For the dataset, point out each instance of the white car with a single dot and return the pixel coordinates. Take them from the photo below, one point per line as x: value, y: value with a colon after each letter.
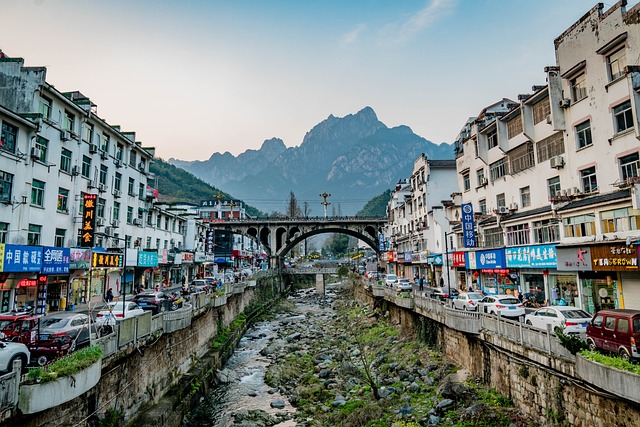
x: 10, y: 351
x: 467, y: 301
x: 403, y: 285
x: 574, y: 320
x: 390, y: 280
x: 115, y: 311
x: 503, y: 305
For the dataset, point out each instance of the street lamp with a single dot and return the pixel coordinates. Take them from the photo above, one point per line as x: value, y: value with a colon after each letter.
x: 446, y: 254
x: 124, y: 267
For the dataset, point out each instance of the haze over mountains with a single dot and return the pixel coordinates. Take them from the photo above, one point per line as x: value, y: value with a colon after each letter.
x: 354, y: 158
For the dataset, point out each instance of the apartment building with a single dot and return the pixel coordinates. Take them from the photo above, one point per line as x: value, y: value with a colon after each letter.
x: 553, y: 177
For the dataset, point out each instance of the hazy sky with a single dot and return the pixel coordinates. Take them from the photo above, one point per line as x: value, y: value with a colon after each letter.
x: 194, y: 77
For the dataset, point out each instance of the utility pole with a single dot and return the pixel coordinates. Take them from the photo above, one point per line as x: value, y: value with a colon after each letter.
x: 325, y: 203
x: 219, y: 197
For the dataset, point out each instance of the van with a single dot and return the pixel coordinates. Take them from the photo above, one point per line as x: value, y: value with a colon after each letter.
x: 615, y: 331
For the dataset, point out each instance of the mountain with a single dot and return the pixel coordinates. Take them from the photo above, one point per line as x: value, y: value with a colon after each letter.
x: 354, y: 158
x: 376, y: 206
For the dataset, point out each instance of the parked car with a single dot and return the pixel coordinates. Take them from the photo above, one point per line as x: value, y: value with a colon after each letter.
x: 390, y: 280
x: 615, y: 331
x: 503, y: 305
x: 442, y: 293
x: 156, y: 301
x: 10, y: 351
x: 404, y: 285
x: 467, y: 301
x: 572, y: 320
x: 200, y: 285
x: 19, y: 327
x: 69, y: 326
x: 114, y: 312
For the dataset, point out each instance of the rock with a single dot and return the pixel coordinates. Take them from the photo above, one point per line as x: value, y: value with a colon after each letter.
x: 475, y: 409
x: 252, y: 393
x: 413, y: 387
x: 293, y: 337
x: 338, y: 401
x: 325, y: 373
x: 428, y: 381
x: 446, y: 390
x: 433, y: 420
x: 444, y: 404
x: 278, y: 404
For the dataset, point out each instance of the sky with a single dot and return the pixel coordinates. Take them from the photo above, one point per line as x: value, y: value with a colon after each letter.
x: 195, y: 77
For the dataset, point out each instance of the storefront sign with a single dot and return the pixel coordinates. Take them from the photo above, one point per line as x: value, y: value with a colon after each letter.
x: 457, y: 259
x: 407, y: 257
x: 106, y: 259
x: 79, y: 258
x: 381, y: 242
x: 163, y: 256
x: 391, y: 257
x: 485, y: 259
x: 415, y: 257
x: 41, y: 301
x: 539, y: 256
x: 87, y: 232
x: 209, y: 241
x: 575, y: 258
x: 434, y: 259
x: 22, y: 258
x: 614, y: 257
x: 55, y: 260
x: 468, y: 226
x: 147, y: 259
x: 187, y: 257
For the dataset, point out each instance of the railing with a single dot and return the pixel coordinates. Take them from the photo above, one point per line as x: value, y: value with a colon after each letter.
x: 9, y: 386
x: 179, y: 319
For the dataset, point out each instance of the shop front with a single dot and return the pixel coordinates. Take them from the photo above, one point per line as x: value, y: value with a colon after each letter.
x: 457, y: 262
x: 106, y: 272
x: 489, y: 270
x: 407, y: 267
x: 55, y: 266
x: 419, y: 262
x: 24, y: 264
x: 535, y: 271
x: 147, y: 263
x: 434, y: 264
x: 79, y: 267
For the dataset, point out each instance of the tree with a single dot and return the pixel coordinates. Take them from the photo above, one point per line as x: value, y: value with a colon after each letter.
x: 337, y: 244
x: 293, y: 209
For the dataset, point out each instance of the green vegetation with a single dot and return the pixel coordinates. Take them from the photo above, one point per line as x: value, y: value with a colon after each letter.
x: 225, y: 333
x: 573, y: 343
x: 611, y: 361
x: 66, y: 366
x: 178, y: 185
x: 376, y: 206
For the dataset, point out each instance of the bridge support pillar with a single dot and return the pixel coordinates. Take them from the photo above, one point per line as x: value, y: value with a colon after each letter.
x: 320, y: 284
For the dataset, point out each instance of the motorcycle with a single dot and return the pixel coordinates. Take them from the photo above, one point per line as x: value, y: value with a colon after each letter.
x: 177, y: 301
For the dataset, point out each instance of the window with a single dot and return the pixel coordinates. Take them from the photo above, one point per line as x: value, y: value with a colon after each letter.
x: 583, y: 134
x: 622, y: 117
x: 34, y: 235
x: 624, y: 219
x: 37, y: 193
x: 482, y: 204
x: 616, y: 63
x: 142, y: 165
x: 541, y: 110
x: 480, y: 177
x: 157, y: 243
x: 149, y: 219
x: 553, y: 184
x: 63, y: 200
x: 492, y: 139
x: 59, y: 238
x: 119, y: 150
x: 132, y: 186
x: 6, y: 186
x: 87, y: 132
x: 141, y: 190
x: 69, y: 121
x: 545, y: 231
x: 525, y: 196
x: 100, y: 207
x: 4, y: 229
x: 579, y: 87
x: 140, y: 214
x: 580, y: 226
x: 521, y: 158
x: 104, y: 143
x: 166, y: 223
x: 129, y: 214
x: 514, y: 127
x: 158, y: 221
x: 8, y: 137
x: 44, y: 107
x: 492, y: 238
x: 550, y: 146
x: 501, y: 200
x: 466, y: 182
x: 497, y: 169
x: 133, y: 159
x: 117, y: 182
x: 103, y: 174
x: 629, y: 166
x: 65, y: 160
x: 518, y: 235
x: 588, y: 178
x: 86, y: 166
x: 116, y: 211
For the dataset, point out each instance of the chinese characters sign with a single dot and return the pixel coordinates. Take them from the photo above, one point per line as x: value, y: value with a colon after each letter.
x: 22, y: 258
x: 147, y: 259
x: 540, y: 256
x: 468, y: 226
x: 485, y: 259
x: 87, y: 232
x: 106, y: 259
x: 209, y: 243
x: 618, y: 257
x: 55, y: 260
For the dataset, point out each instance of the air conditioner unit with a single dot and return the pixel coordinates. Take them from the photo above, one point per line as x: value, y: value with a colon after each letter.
x: 564, y: 193
x: 484, y: 182
x: 141, y: 165
x: 99, y: 222
x: 115, y: 223
x: 93, y: 148
x: 65, y: 135
x: 118, y: 163
x: 102, y: 188
x: 117, y: 193
x: 513, y: 206
x: 137, y: 221
x: 573, y: 191
x: 104, y: 154
x: 502, y: 210
x: 564, y: 103
x: 108, y: 230
x: 36, y: 152
x: 556, y: 162
x: 75, y: 171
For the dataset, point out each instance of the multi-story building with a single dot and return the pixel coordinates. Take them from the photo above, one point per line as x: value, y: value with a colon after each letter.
x: 553, y: 178
x: 54, y: 150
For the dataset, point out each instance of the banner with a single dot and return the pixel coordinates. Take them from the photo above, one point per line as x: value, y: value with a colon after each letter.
x: 468, y: 226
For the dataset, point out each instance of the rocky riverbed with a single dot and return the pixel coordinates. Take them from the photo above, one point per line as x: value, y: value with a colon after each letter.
x: 332, y: 362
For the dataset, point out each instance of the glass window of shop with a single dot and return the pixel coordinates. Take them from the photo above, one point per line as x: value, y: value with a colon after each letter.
x: 565, y: 290
x: 599, y: 292
x: 533, y: 286
x: 26, y: 297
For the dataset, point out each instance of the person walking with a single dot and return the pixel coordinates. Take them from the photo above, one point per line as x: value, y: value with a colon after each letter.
x: 109, y: 296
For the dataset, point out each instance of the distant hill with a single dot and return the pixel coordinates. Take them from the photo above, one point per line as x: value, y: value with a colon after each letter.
x: 354, y: 158
x: 177, y: 185
x: 376, y: 206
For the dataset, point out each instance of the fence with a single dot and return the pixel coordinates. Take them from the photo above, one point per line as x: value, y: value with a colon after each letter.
x: 9, y: 387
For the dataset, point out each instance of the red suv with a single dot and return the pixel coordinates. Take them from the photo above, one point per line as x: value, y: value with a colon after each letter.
x: 615, y: 331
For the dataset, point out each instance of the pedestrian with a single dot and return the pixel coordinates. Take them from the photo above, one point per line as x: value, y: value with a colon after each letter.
x: 109, y: 296
x: 421, y: 283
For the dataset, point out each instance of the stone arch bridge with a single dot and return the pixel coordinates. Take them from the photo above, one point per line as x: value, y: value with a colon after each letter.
x: 280, y: 235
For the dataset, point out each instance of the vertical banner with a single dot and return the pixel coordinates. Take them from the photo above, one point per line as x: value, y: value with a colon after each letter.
x: 209, y: 242
x: 381, y: 245
x: 87, y: 232
x: 468, y: 226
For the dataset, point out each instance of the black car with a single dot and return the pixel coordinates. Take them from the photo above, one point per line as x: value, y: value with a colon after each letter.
x: 441, y: 292
x: 156, y: 301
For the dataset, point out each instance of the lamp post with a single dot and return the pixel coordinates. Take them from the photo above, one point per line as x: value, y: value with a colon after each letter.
x: 446, y: 254
x: 124, y: 267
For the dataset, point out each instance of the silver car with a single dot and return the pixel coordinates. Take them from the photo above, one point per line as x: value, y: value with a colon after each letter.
x: 10, y: 351
x: 467, y: 301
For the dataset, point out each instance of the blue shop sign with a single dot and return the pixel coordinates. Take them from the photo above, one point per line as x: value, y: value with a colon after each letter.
x: 147, y: 259
x: 485, y: 259
x: 434, y: 259
x: 407, y: 257
x: 538, y: 256
x: 55, y: 260
x: 19, y: 258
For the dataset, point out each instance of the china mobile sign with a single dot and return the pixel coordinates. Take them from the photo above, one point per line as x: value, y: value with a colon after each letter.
x: 468, y: 226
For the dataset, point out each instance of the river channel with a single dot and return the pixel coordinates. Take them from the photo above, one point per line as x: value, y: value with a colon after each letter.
x: 241, y: 386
